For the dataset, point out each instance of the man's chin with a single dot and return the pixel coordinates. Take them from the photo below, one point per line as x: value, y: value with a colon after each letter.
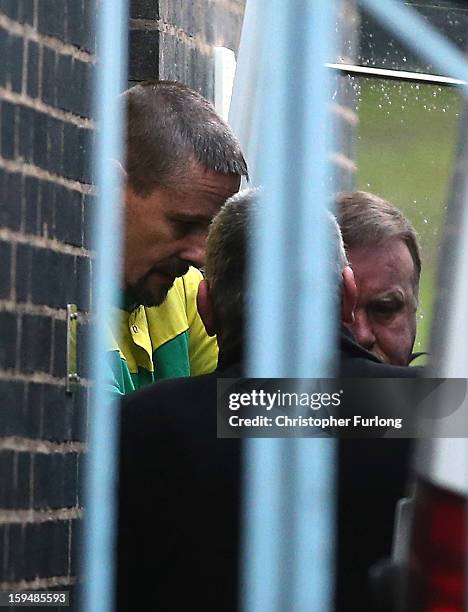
x: 145, y: 296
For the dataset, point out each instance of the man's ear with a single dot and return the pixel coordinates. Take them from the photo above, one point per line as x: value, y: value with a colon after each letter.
x: 205, y: 307
x: 349, y: 296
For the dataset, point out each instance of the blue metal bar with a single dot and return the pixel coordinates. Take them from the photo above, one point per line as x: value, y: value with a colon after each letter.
x: 289, y: 490
x: 101, y: 469
x: 423, y: 38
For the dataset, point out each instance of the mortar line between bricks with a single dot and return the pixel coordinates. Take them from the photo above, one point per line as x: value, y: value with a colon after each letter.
x: 43, y: 447
x: 52, y: 244
x: 56, y: 44
x: 36, y: 104
x: 159, y: 25
x: 345, y: 113
x: 39, y: 377
x: 58, y: 314
x: 38, y: 583
x: 30, y: 170
x: 343, y: 162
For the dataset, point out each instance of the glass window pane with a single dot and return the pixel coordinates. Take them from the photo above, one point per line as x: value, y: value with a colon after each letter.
x: 380, y: 49
x: 406, y: 144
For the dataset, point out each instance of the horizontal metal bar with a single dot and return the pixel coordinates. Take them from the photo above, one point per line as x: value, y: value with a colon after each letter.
x: 397, y: 75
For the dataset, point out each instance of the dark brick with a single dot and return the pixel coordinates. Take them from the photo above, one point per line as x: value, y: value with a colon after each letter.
x: 65, y: 83
x: 85, y: 156
x: 82, y: 464
x: 11, y: 403
x: 16, y: 557
x: 54, y: 275
x: 10, y: 208
x: 60, y: 548
x: 69, y: 220
x: 83, y: 84
x: 46, y: 549
x: 54, y: 145
x: 40, y: 154
x: 26, y: 11
x: 12, y: 418
x: 55, y: 480
x: 23, y: 471
x: 89, y: 19
x: 59, y: 415
x: 9, y: 338
x: 144, y: 9
x: 49, y: 79
x: 70, y: 151
x: 75, y: 30
x: 6, y: 469
x: 80, y: 415
x: 35, y: 394
x: 76, y: 544
x: 89, y: 207
x: 84, y: 330
x: 10, y: 204
x: 60, y: 344
x: 33, y: 69
x: 5, y: 269
x: 35, y: 551
x: 15, y: 62
x: 40, y: 272
x: 4, y: 52
x: 81, y: 24
x: 32, y: 190
x: 10, y: 8
x: 24, y: 254
x: 8, y: 130
x: 14, y: 493
x: 83, y: 279
x: 144, y: 54
x: 36, y: 343
x: 69, y: 280
x: 26, y: 127
x: 52, y: 18
x: 47, y: 209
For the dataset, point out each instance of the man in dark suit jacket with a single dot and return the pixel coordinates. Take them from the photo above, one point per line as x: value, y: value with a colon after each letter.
x: 179, y: 485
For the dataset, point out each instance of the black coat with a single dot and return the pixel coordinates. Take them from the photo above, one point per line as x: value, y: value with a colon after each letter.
x: 180, y: 490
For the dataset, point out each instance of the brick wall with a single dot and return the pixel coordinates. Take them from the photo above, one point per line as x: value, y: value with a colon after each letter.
x: 46, y: 135
x: 174, y: 39
x: 46, y: 198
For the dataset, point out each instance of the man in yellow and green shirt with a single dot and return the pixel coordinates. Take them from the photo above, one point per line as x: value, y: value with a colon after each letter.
x: 182, y: 163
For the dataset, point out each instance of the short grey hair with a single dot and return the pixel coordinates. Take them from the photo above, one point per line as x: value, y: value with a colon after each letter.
x: 170, y: 126
x: 338, y: 243
x: 226, y: 260
x: 366, y: 219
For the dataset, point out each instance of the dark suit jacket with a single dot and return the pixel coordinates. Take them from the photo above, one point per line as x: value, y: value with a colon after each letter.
x: 372, y: 475
x: 180, y: 491
x: 179, y: 495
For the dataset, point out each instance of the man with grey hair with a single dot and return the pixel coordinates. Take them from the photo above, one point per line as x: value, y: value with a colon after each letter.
x: 168, y: 439
x: 383, y: 250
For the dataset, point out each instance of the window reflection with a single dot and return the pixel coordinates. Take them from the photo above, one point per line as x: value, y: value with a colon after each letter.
x: 406, y: 143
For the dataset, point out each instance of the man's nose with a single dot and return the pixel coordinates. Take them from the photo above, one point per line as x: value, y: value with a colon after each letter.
x: 193, y: 250
x: 363, y: 331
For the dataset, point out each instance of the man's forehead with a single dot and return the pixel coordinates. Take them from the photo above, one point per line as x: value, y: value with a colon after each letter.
x: 201, y: 193
x: 383, y: 267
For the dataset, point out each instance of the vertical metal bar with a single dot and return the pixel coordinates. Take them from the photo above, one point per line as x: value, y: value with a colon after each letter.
x: 288, y: 494
x: 417, y: 34
x: 101, y: 476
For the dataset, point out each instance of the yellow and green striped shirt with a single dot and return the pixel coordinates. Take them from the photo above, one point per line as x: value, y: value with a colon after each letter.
x: 166, y: 341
